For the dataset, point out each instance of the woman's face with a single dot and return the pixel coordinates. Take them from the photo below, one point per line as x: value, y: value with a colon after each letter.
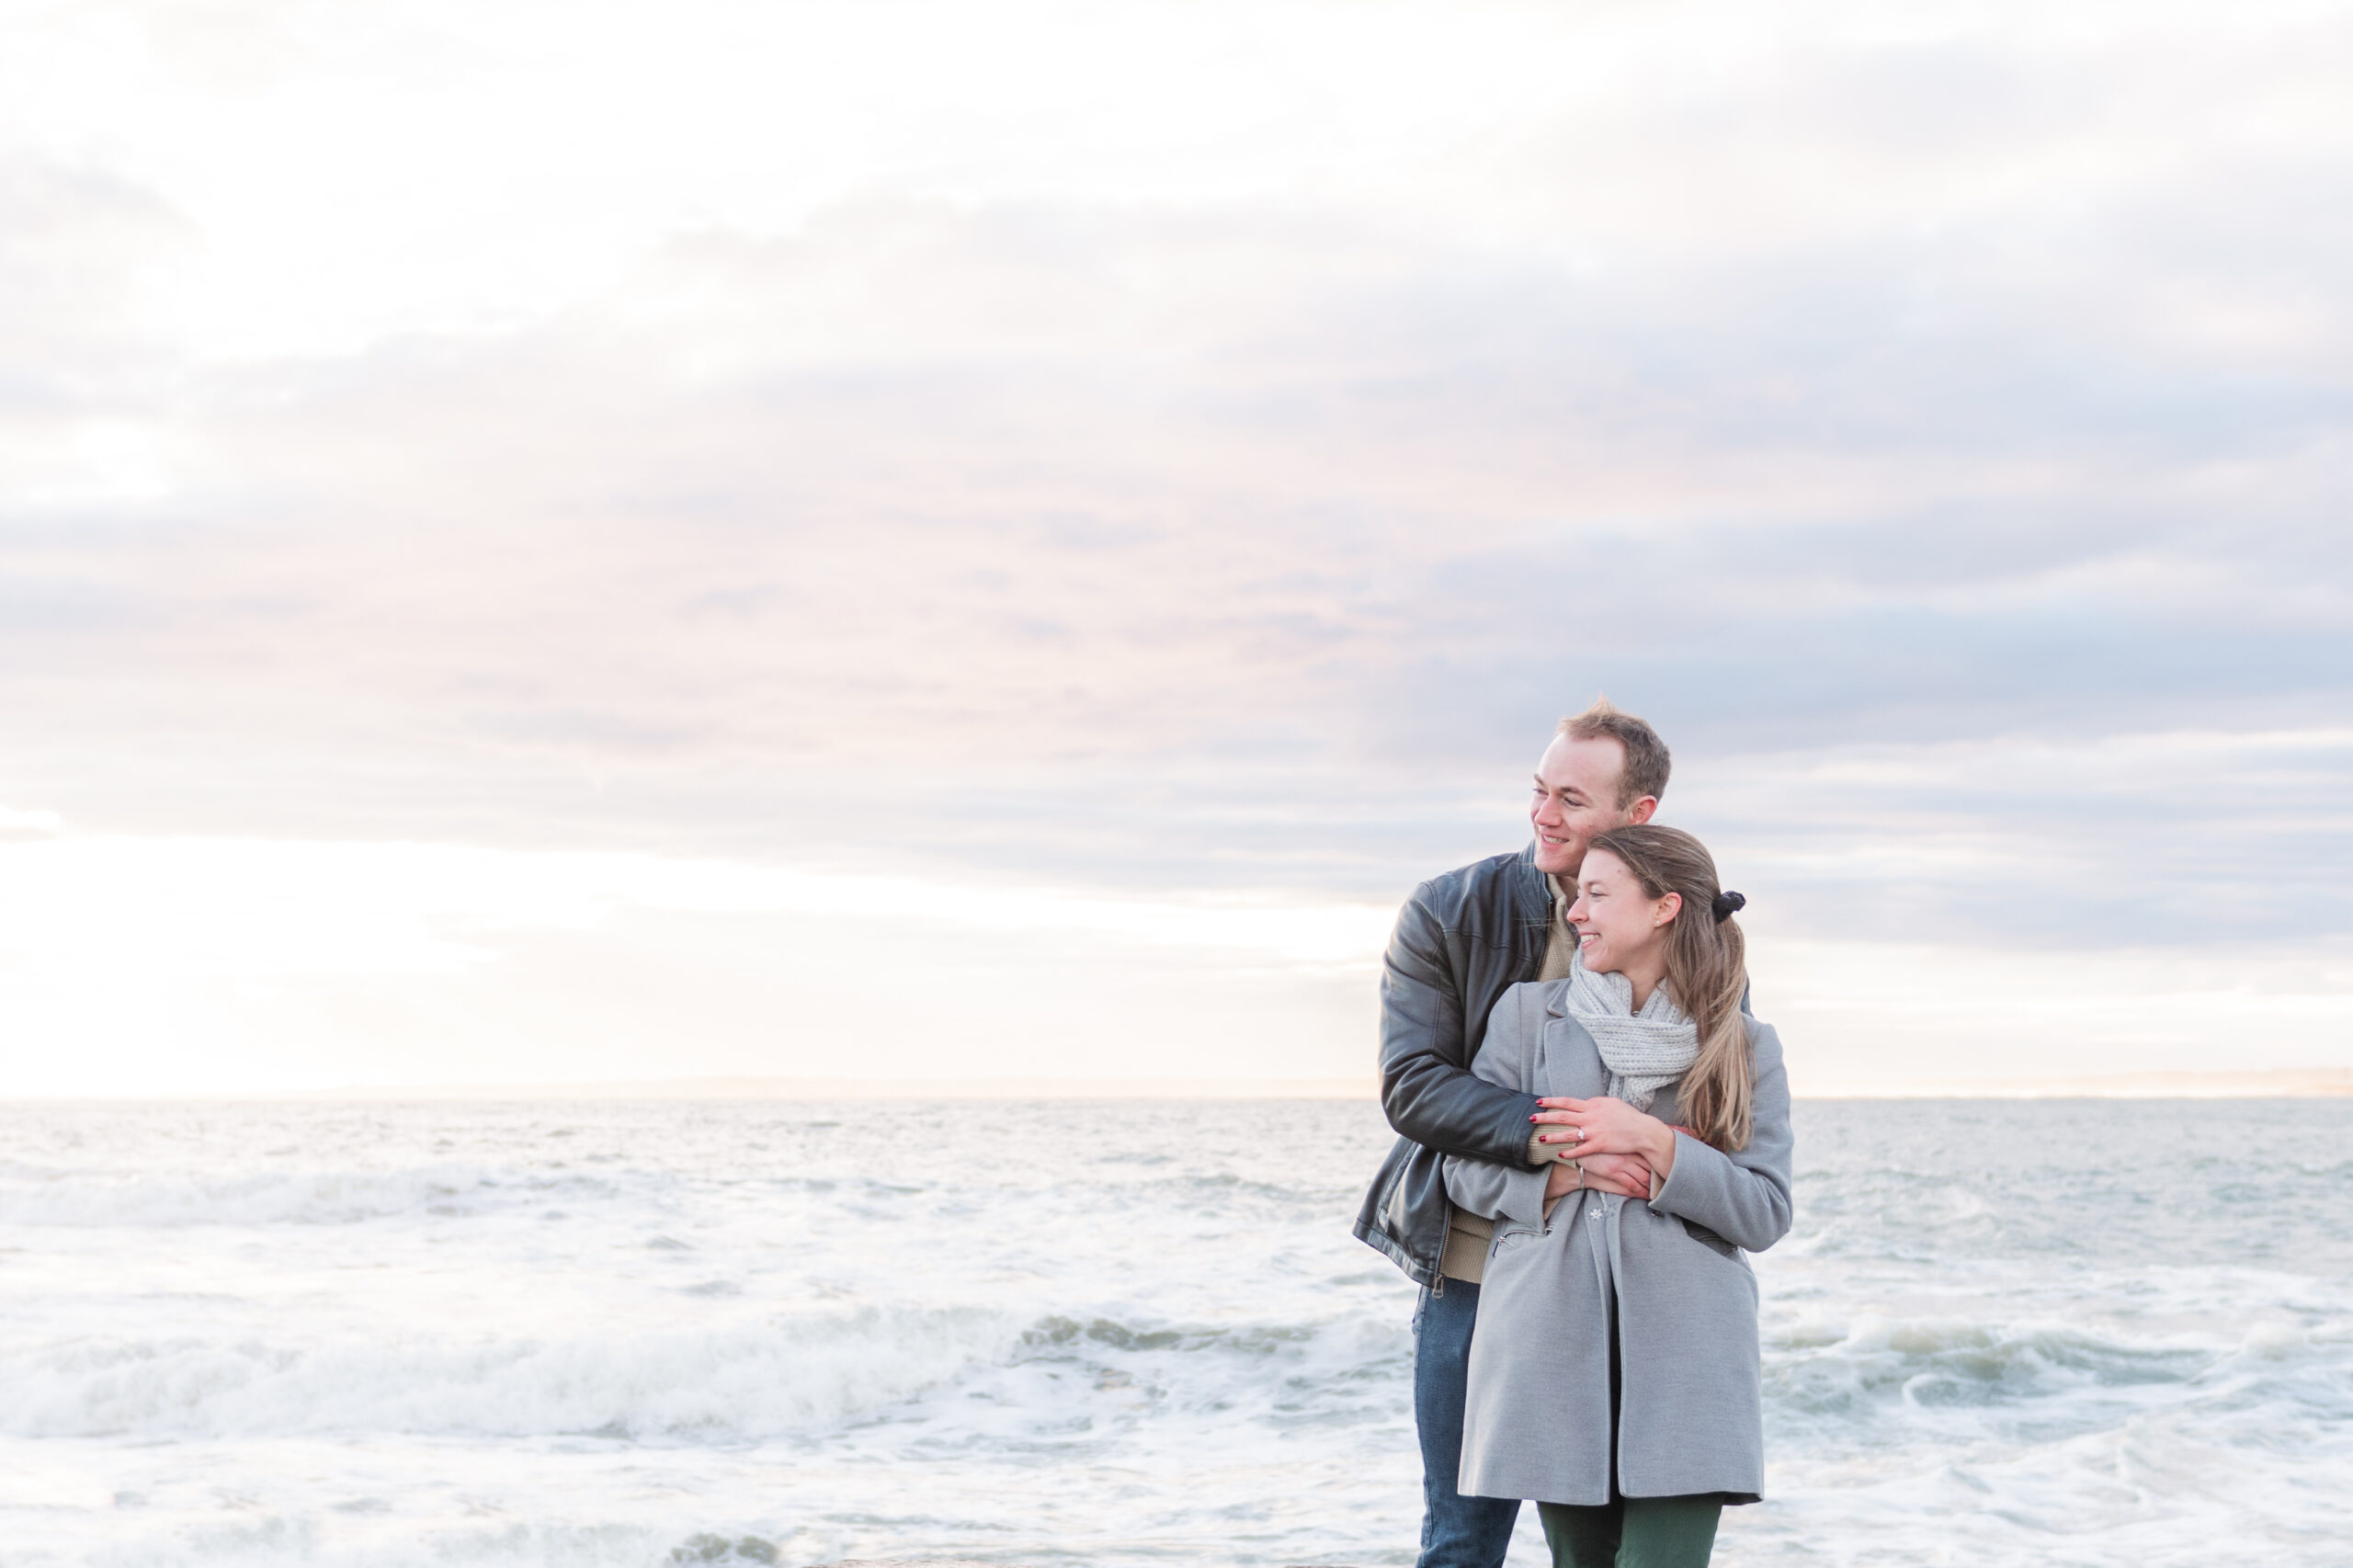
x: 1620, y: 927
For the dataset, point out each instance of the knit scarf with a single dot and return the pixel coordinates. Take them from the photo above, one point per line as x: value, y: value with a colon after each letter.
x: 1643, y: 1051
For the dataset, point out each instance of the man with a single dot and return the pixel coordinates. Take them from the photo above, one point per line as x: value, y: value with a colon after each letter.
x: 1461, y: 942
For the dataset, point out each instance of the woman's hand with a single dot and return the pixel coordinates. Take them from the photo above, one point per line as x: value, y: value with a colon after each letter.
x: 1602, y: 1126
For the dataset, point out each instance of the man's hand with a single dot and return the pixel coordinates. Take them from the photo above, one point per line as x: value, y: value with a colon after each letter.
x: 1628, y: 1176
x: 1589, y: 1129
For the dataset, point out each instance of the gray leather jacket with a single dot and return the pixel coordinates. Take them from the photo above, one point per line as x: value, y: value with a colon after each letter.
x: 1461, y: 942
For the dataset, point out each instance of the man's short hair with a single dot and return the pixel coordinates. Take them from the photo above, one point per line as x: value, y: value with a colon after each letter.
x: 1647, y: 762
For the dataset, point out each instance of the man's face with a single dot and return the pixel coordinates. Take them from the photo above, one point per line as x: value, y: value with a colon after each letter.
x: 1577, y: 797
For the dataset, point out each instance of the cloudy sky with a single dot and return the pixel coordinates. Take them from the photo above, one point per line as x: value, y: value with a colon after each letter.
x: 910, y: 539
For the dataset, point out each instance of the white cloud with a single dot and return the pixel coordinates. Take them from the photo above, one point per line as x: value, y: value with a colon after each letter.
x: 224, y: 966
x: 144, y: 966
x: 284, y: 909
x: 1873, y: 1018
x: 17, y: 824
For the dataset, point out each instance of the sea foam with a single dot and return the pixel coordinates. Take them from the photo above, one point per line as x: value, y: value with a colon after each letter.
x: 1077, y: 1335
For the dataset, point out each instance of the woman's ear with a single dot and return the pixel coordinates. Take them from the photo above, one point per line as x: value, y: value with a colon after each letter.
x: 1668, y: 908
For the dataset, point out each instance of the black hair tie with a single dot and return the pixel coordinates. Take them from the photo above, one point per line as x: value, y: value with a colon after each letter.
x: 1729, y: 903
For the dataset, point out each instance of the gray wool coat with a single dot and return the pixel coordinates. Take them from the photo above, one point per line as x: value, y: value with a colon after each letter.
x: 1537, y: 1422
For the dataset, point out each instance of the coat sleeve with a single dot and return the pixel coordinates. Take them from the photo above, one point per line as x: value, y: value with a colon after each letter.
x: 1483, y: 1186
x: 1743, y: 1197
x: 1426, y: 1088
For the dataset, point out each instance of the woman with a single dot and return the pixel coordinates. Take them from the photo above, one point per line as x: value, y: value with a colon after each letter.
x: 1614, y: 1372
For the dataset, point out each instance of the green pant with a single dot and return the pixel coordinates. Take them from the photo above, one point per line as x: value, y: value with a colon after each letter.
x: 1633, y: 1532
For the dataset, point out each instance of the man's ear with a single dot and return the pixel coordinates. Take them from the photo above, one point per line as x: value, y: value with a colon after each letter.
x: 1641, y: 811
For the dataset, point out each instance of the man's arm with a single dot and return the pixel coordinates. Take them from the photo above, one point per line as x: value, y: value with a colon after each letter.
x: 1485, y: 1187
x: 1426, y: 1088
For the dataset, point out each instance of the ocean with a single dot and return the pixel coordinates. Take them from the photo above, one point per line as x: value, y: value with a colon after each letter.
x: 1102, y: 1332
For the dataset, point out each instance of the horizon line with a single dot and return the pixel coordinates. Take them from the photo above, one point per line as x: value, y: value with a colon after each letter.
x: 2295, y: 1083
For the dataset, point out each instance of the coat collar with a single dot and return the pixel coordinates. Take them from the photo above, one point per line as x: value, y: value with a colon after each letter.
x: 1556, y: 998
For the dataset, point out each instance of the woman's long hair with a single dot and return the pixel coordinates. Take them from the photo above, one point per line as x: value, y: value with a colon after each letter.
x: 1707, y: 974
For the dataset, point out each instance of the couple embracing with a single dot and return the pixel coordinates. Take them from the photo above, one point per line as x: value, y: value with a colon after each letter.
x: 1595, y: 1132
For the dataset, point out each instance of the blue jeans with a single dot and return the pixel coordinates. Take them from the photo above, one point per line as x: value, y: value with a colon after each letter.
x: 1457, y: 1531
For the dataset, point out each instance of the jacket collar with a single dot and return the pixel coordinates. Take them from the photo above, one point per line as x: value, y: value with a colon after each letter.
x: 1532, y: 887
